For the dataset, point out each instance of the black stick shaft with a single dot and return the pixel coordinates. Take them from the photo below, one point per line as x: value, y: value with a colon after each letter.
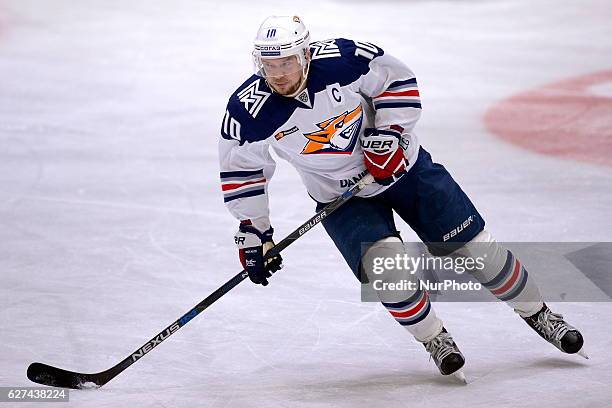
x: 49, y: 375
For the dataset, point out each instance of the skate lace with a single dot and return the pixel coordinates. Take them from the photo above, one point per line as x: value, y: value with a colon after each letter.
x: 440, y: 347
x: 552, y: 325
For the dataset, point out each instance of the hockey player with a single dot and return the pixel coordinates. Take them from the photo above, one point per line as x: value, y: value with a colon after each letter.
x: 337, y: 109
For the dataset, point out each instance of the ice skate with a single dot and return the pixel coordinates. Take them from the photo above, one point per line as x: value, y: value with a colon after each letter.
x: 446, y: 355
x: 556, y: 331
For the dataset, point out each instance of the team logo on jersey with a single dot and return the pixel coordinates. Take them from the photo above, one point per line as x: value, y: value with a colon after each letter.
x: 324, y: 49
x: 253, y: 98
x: 338, y: 135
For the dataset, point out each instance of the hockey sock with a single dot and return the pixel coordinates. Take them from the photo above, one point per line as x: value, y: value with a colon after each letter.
x: 503, y: 274
x: 410, y: 306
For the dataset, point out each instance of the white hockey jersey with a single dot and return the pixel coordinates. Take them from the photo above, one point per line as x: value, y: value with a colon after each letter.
x: 351, y: 86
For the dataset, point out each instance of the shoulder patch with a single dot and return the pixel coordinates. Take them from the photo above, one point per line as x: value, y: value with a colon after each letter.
x: 324, y: 49
x: 254, y: 112
x: 253, y: 97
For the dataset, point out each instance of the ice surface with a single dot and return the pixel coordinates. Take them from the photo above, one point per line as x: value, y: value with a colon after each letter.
x: 112, y: 223
x: 89, y: 386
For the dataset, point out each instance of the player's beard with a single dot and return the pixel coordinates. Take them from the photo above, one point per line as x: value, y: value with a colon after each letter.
x: 294, y: 88
x: 287, y: 88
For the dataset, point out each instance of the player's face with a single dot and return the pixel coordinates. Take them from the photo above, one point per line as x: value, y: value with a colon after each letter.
x: 283, y: 74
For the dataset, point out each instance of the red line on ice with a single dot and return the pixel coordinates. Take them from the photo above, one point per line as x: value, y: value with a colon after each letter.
x: 563, y: 119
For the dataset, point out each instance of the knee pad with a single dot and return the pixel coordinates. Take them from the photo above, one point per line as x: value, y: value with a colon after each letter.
x: 383, y: 265
x: 373, y: 260
x: 485, y: 247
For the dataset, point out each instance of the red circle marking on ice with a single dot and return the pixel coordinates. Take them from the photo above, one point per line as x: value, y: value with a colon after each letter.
x: 565, y: 119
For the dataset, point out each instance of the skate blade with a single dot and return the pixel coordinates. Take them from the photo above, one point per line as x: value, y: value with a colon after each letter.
x: 583, y: 353
x: 460, y: 376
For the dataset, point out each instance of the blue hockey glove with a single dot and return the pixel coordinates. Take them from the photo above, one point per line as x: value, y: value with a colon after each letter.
x: 252, y: 246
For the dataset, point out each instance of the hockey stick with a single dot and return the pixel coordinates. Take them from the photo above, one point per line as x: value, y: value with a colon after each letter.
x: 57, y: 377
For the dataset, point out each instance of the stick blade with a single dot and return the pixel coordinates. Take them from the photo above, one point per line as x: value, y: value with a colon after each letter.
x: 56, y: 377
